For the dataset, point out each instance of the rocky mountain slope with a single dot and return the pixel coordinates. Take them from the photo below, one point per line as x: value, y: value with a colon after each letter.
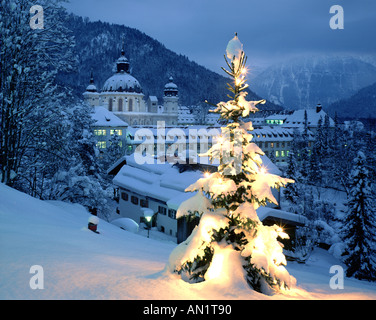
x: 305, y: 81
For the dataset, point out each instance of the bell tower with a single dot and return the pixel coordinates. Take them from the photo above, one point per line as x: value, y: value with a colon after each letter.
x: 91, y: 95
x: 171, y: 97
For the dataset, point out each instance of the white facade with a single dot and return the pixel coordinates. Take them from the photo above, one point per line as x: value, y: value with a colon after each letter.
x: 186, y: 117
x: 106, y: 124
x: 152, y: 186
x: 122, y: 94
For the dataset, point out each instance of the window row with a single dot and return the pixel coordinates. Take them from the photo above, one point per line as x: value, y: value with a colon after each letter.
x: 103, y: 132
x: 171, y: 212
x: 144, y: 203
x: 103, y: 144
x: 120, y: 105
x: 278, y: 153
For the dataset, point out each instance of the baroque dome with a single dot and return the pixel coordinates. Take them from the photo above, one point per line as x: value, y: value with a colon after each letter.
x: 122, y: 82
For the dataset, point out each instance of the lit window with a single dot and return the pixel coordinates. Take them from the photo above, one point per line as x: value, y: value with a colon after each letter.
x: 119, y: 132
x: 277, y: 154
x: 100, y: 132
x: 271, y: 144
x: 101, y: 144
x: 282, y: 153
x: 120, y: 143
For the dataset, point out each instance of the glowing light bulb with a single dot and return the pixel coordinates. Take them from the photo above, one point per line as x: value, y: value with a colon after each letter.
x: 207, y: 174
x: 263, y: 170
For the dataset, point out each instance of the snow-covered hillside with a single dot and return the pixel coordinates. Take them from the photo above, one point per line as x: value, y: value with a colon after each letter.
x: 116, y: 264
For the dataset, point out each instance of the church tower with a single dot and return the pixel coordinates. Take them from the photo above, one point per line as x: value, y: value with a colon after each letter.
x: 171, y: 98
x: 91, y: 95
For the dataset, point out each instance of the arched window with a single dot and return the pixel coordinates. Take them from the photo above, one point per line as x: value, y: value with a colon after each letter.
x: 110, y: 104
x: 120, y: 105
x: 130, y: 105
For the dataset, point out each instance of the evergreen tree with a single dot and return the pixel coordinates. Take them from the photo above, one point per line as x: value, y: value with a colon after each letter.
x: 230, y: 236
x: 78, y: 178
x: 315, y: 174
x: 113, y: 152
x: 29, y: 100
x: 319, y: 142
x: 292, y: 191
x: 336, y: 143
x: 359, y: 228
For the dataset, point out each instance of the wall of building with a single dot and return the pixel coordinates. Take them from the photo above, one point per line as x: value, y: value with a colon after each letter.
x: 130, y: 208
x: 103, y: 135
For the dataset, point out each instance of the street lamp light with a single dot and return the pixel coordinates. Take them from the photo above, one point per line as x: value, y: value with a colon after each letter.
x: 148, y: 214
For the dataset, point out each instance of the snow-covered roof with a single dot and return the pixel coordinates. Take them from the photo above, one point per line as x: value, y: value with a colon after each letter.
x: 153, y: 98
x: 105, y: 118
x: 91, y: 88
x: 122, y: 82
x: 171, y: 84
x: 267, y: 212
x: 297, y: 118
x: 158, y: 181
x: 275, y: 134
x: 164, y: 181
x: 276, y: 117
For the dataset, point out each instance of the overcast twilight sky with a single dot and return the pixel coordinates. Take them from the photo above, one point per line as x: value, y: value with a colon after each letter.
x: 269, y: 29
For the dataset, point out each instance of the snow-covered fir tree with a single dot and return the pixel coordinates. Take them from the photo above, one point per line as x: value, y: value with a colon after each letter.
x: 359, y: 226
x: 113, y: 152
x: 29, y: 97
x: 47, y: 147
x: 292, y: 191
x: 230, y: 240
x: 79, y: 179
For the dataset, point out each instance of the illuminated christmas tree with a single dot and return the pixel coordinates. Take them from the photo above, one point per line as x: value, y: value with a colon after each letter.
x: 230, y: 240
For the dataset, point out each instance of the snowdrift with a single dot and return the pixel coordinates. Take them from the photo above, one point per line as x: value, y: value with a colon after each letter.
x: 116, y: 264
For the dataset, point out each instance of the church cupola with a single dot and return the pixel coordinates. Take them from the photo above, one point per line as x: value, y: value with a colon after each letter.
x: 122, y: 81
x: 122, y: 63
x: 91, y: 87
x: 91, y: 94
x: 171, y: 99
x: 171, y: 89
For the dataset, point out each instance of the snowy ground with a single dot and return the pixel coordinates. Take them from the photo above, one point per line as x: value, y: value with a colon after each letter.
x: 116, y: 264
